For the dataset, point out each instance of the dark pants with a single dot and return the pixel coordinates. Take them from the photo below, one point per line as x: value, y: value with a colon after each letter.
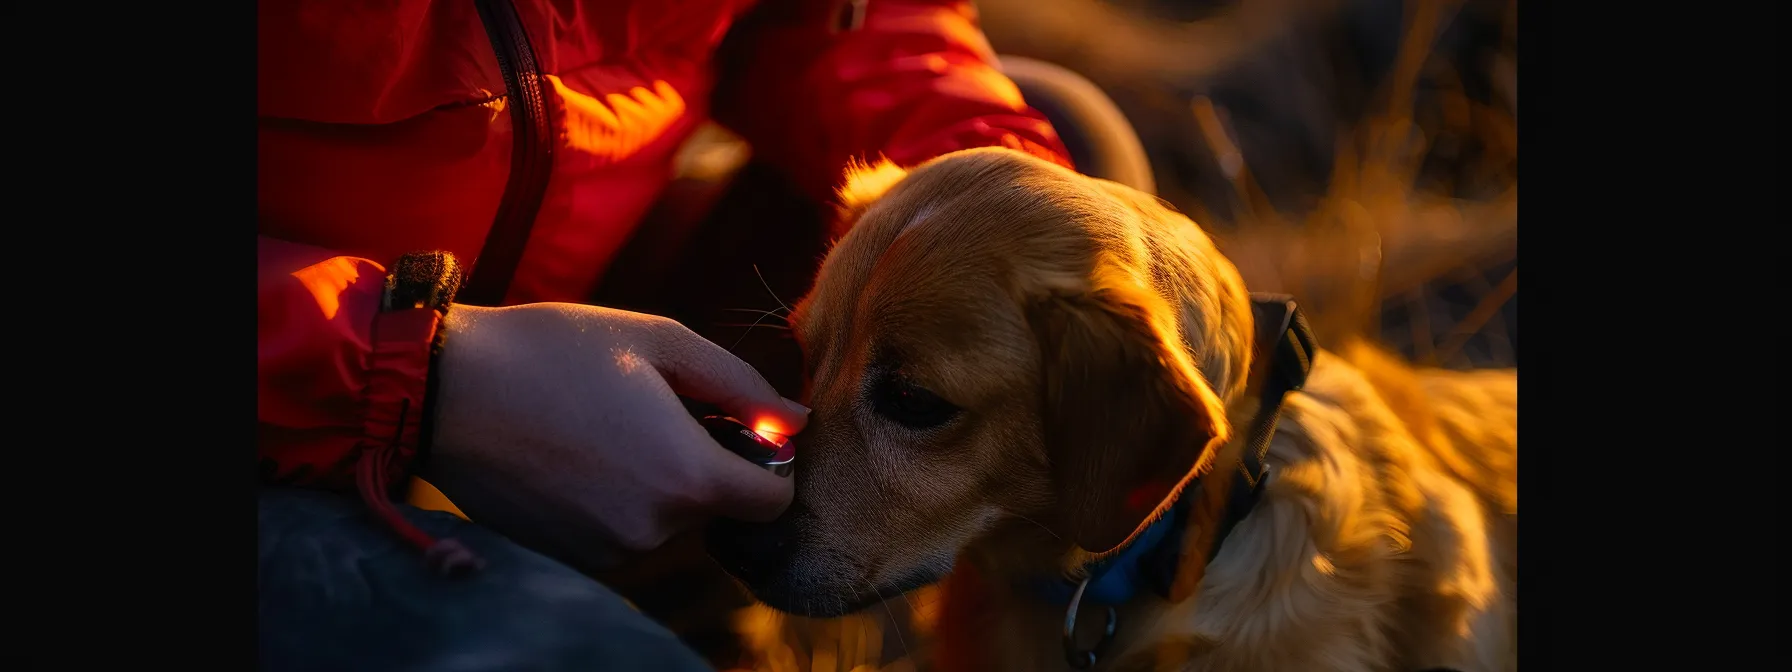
x: 337, y: 592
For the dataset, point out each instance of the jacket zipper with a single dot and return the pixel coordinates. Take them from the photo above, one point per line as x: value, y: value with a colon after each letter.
x: 531, y: 156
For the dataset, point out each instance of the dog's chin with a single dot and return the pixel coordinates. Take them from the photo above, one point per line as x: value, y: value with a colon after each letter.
x: 836, y: 602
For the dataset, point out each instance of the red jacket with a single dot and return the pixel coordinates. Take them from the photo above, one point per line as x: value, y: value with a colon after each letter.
x: 392, y: 127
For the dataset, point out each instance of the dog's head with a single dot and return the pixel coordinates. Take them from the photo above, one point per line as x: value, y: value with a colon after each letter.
x: 998, y: 349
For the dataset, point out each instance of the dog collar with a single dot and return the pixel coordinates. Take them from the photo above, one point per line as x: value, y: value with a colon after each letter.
x: 1286, y: 346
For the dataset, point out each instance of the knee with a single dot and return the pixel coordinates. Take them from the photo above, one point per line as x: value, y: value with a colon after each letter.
x: 339, y: 592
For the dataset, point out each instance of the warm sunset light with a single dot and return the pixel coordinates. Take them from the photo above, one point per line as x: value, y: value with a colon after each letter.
x: 1120, y: 334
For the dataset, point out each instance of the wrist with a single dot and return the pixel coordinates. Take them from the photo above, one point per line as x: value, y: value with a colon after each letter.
x: 452, y: 371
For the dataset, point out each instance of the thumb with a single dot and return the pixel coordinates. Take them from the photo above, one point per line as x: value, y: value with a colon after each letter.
x: 736, y: 488
x: 695, y: 367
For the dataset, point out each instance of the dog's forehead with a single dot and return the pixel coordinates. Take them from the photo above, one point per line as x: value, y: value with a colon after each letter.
x: 945, y: 316
x: 946, y: 320
x: 933, y: 265
x: 847, y: 274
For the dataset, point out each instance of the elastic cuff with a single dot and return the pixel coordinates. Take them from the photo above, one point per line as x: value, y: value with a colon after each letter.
x: 397, y: 380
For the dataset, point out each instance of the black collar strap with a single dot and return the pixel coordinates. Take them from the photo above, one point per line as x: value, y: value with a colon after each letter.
x: 1284, y: 369
x: 1285, y: 347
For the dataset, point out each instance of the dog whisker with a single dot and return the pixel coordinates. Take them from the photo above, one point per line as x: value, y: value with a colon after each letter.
x: 913, y: 613
x: 1042, y: 527
x: 763, y: 314
x: 774, y: 312
x: 779, y: 327
x: 743, y: 335
x: 768, y: 288
x: 895, y: 624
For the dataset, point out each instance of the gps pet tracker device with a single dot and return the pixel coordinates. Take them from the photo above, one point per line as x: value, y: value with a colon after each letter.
x: 777, y: 454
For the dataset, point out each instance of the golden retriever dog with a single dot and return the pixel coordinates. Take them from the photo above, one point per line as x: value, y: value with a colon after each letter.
x: 1015, y: 369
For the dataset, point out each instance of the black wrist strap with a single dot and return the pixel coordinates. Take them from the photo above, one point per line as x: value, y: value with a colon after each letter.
x: 424, y: 280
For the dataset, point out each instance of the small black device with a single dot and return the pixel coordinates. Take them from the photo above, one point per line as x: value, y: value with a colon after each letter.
x: 776, y: 453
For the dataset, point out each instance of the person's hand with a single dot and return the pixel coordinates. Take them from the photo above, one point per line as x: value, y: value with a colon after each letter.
x: 558, y: 425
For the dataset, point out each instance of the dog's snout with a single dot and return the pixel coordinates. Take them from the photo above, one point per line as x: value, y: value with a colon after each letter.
x: 757, y: 553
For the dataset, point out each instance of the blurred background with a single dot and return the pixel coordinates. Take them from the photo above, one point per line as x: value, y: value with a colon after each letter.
x: 1362, y: 154
x: 1359, y: 154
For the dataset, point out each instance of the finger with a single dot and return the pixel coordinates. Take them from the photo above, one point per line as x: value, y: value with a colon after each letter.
x: 733, y: 486
x: 746, y: 491
x: 698, y: 368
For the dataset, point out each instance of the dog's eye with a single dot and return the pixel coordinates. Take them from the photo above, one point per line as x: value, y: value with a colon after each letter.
x: 911, y: 405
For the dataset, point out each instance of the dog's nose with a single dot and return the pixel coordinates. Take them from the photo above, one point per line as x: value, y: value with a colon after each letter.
x: 756, y: 553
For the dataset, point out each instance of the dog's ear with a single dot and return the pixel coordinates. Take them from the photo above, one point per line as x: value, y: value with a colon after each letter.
x: 1128, y: 419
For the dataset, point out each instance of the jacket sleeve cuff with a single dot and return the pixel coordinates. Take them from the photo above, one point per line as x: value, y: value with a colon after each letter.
x: 397, y: 379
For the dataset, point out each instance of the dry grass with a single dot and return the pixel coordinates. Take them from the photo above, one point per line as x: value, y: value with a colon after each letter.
x: 892, y: 638
x: 1378, y: 233
x: 1384, y: 228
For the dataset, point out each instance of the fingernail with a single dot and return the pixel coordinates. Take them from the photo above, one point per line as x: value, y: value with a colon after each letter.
x: 796, y: 407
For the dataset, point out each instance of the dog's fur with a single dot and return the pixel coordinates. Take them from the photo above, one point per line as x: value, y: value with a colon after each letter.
x: 1097, y: 347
